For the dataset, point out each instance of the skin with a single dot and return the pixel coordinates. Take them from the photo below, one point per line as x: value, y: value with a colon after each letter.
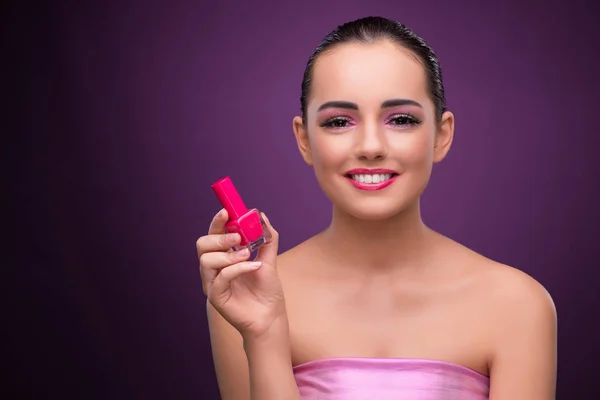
x: 377, y: 282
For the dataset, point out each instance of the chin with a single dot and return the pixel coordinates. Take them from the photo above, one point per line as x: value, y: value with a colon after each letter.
x: 371, y: 211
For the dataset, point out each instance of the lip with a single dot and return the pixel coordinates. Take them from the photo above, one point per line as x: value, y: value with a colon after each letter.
x: 358, y: 171
x: 371, y: 186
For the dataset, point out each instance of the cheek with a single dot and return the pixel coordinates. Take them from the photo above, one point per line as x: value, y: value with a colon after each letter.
x: 329, y: 151
x: 415, y: 150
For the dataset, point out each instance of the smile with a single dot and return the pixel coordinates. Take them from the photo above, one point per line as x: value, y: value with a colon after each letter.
x: 375, y: 178
x: 371, y: 179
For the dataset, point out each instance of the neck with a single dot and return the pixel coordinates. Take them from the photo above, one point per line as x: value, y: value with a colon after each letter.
x: 393, y: 243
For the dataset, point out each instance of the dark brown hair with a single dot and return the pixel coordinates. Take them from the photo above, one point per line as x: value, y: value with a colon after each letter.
x: 369, y: 30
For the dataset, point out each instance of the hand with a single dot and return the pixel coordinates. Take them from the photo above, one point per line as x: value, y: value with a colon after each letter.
x: 248, y: 294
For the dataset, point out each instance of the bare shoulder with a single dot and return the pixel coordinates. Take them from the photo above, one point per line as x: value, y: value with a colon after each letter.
x: 516, y: 294
x: 505, y: 287
x: 291, y: 261
x: 298, y: 268
x: 290, y: 257
x: 521, y: 321
x: 518, y: 309
x: 508, y: 297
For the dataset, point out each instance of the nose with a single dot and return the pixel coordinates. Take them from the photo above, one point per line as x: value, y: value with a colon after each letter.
x: 371, y: 143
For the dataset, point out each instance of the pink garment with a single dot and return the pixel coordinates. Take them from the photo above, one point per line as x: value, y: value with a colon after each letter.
x: 389, y: 379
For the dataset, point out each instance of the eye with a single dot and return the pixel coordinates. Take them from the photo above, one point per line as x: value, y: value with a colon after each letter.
x: 335, y: 123
x: 404, y: 120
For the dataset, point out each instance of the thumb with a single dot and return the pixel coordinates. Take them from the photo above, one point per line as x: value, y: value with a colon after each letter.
x: 268, y: 251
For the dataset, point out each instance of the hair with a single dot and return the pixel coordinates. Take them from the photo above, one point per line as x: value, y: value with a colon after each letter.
x: 370, y: 30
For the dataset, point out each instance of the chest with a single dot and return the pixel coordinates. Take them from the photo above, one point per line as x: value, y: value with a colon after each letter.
x: 388, y: 321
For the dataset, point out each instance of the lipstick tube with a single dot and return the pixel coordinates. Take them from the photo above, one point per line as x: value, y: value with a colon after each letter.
x: 248, y: 223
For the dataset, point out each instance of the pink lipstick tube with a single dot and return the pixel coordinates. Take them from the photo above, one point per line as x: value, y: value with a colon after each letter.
x: 248, y: 223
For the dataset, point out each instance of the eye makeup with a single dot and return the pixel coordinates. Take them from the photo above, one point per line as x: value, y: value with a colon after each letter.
x: 401, y: 120
x: 336, y: 122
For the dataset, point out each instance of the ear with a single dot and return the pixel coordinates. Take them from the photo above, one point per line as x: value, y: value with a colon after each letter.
x: 301, y: 134
x: 443, y: 137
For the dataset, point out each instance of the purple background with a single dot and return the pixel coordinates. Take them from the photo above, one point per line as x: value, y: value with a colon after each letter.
x: 128, y: 111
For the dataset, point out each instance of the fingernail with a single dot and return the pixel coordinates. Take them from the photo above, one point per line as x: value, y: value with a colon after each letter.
x: 254, y: 264
x: 232, y: 238
x: 243, y: 253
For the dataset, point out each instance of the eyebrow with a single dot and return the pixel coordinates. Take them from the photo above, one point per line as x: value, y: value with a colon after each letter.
x: 353, y: 106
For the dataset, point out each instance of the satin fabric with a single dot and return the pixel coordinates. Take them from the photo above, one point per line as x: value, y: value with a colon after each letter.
x: 389, y: 379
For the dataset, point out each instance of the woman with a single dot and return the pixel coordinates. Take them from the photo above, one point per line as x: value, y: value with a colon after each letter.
x: 377, y: 304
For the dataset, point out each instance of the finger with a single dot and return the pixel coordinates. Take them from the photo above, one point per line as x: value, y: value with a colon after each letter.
x: 218, y: 222
x: 223, y: 279
x: 212, y: 263
x: 217, y: 242
x: 268, y: 251
x: 219, y: 260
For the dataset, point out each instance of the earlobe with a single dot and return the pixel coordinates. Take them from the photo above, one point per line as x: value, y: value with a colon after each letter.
x: 301, y: 134
x: 443, y: 137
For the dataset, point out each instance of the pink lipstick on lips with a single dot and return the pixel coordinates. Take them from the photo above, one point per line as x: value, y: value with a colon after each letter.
x: 371, y: 179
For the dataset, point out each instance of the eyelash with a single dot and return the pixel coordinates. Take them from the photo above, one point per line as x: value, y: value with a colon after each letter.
x: 410, y: 120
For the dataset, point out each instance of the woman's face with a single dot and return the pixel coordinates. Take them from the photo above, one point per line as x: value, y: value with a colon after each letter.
x: 370, y: 133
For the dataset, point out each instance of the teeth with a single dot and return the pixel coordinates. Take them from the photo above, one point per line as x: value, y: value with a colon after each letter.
x: 374, y: 178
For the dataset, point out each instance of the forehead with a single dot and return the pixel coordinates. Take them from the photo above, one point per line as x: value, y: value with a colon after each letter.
x: 365, y: 72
